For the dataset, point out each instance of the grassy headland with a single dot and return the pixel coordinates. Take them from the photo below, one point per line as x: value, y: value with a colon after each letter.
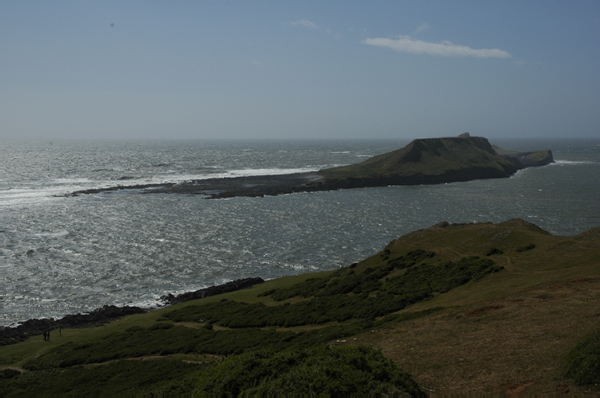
x: 477, y: 308
x: 438, y: 160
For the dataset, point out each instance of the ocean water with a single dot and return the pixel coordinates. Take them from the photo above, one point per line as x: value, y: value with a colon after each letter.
x: 63, y: 255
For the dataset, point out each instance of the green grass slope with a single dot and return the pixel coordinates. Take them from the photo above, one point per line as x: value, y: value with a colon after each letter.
x: 456, y: 156
x: 476, y: 308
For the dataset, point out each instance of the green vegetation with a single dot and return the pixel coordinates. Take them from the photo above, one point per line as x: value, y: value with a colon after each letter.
x: 304, y: 333
x: 141, y: 342
x: 322, y: 370
x: 432, y: 157
x: 583, y: 365
x: 347, y: 294
x: 493, y: 251
x: 525, y: 248
x: 121, y: 377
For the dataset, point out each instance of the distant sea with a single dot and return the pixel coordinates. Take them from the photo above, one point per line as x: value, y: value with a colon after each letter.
x: 64, y: 255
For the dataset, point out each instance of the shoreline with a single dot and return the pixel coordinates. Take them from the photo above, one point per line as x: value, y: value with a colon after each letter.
x: 100, y: 316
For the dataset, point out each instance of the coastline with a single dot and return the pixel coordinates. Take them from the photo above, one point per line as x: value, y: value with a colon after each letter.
x: 108, y: 313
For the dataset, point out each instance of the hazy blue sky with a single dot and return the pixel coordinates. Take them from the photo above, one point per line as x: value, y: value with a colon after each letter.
x: 301, y: 69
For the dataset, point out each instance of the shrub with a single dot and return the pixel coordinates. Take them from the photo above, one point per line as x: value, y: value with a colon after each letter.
x: 122, y: 378
x: 371, y: 297
x: 323, y: 370
x: 493, y: 251
x: 161, y: 325
x: 583, y: 365
x: 9, y: 373
x: 525, y: 248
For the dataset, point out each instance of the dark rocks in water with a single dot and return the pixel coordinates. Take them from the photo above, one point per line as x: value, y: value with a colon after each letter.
x: 232, y: 286
x: 99, y: 316
x: 32, y: 327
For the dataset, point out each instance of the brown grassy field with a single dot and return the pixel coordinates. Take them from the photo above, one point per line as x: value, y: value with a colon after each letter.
x: 509, y: 333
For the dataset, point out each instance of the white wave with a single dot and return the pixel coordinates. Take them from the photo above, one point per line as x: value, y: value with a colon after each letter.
x: 181, y: 178
x: 570, y: 162
x: 16, y: 197
x: 67, y: 181
x: 53, y: 189
x: 34, y: 195
x: 54, y: 234
x: 263, y: 172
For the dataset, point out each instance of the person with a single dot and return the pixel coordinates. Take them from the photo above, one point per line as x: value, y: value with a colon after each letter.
x: 45, y: 335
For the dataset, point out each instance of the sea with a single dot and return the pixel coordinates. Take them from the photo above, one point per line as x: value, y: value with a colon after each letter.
x: 64, y: 255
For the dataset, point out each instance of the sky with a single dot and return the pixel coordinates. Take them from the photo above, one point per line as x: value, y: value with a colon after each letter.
x: 298, y: 69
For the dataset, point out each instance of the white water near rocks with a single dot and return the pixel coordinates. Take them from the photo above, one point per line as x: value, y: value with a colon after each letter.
x: 62, y: 255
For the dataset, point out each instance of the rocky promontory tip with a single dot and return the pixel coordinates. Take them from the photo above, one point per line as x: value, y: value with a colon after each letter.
x: 422, y: 161
x: 232, y: 286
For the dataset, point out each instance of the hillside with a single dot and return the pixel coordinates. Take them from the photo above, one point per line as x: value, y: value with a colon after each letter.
x: 473, y: 308
x: 439, y: 160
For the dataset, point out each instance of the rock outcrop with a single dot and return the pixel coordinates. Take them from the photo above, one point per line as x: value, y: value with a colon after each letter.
x: 232, y: 286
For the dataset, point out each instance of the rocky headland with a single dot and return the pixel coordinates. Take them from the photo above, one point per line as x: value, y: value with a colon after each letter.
x: 423, y: 161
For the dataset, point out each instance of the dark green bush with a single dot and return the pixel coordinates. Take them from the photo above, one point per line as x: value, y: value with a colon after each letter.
x: 161, y: 325
x: 9, y: 373
x: 133, y: 329
x: 370, y: 298
x: 346, y: 280
x: 526, y: 248
x: 583, y: 365
x: 120, y: 377
x: 324, y: 370
x: 492, y: 251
